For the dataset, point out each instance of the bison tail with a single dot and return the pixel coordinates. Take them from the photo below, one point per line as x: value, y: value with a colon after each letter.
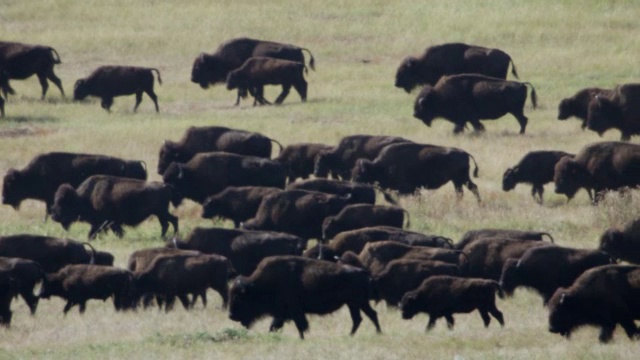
x: 476, y: 170
x: 312, y: 61
x: 498, y: 289
x: 56, y: 58
x: 158, y: 74
x: 514, y: 72
x: 277, y: 143
x: 93, y: 253
x: 387, y: 197
x: 550, y: 237
x: 534, y: 96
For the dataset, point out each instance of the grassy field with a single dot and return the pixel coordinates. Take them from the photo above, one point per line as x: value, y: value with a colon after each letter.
x: 560, y: 47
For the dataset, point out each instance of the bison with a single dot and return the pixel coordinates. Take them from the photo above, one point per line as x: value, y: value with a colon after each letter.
x: 300, y: 159
x: 408, y: 167
x: 473, y: 235
x: 213, y: 138
x: 288, y: 287
x: 624, y: 243
x: 25, y: 274
x: 44, y: 174
x: 471, y: 98
x: 110, y: 202
x: 236, y: 203
x: 619, y: 111
x: 578, y: 104
x: 107, y: 82
x: 444, y: 295
x: 361, y: 193
x: 7, y: 292
x: 451, y: 59
x: 358, y: 216
x: 21, y: 61
x: 1, y: 107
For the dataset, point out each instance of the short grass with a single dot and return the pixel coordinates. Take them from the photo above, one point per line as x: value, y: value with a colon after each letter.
x: 560, y: 47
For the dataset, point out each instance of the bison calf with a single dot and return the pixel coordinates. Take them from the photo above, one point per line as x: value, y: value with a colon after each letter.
x: 108, y: 82
x: 300, y: 159
x: 358, y: 216
x: 443, y: 296
x: 236, y: 203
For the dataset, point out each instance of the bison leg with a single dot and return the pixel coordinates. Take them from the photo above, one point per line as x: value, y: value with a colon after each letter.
x: 497, y: 314
x: 371, y: 314
x: 285, y: 91
x: 106, y: 103
x: 606, y: 333
x: 153, y: 97
x: 44, y: 83
x: 356, y: 318
x: 474, y: 189
x: 164, y: 220
x: 477, y: 126
x: 30, y: 299
x: 450, y: 321
x: 117, y: 230
x: 138, y: 101
x: 55, y: 80
x: 485, y: 317
x: 522, y: 120
x: 458, y: 129
x: 301, y: 88
x: 184, y: 300
x: 537, y: 189
x: 276, y: 324
x: 68, y: 306
x: 301, y: 323
x: 630, y: 327
x: 432, y: 321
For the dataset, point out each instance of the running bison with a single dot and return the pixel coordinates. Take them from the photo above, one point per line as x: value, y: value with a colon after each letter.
x: 236, y: 203
x: 358, y: 216
x: 107, y: 82
x: 451, y: 59
x: 624, y: 243
x: 620, y: 110
x: 25, y: 274
x: 471, y: 98
x: 300, y: 159
x: 288, y: 287
x: 21, y: 61
x: 578, y: 104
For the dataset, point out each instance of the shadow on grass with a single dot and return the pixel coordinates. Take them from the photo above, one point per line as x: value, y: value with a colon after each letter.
x: 187, y: 340
x: 29, y: 119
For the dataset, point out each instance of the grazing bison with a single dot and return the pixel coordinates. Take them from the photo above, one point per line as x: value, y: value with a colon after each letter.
x: 259, y: 71
x: 599, y: 166
x: 81, y: 282
x: 236, y: 203
x: 443, y: 295
x: 176, y: 275
x: 343, y: 157
x: 300, y: 159
x: 471, y: 98
x: 50, y: 252
x: 209, y: 173
x: 209, y: 69
x: 619, y: 111
x: 358, y: 216
x: 245, y: 249
x: 604, y: 296
x: 376, y: 256
x: 408, y: 167
x: 110, y: 202
x: 21, y: 61
x: 473, y: 235
x: 288, y: 287
x: 623, y: 244
x: 25, y: 274
x: 548, y: 268
x: 213, y: 138
x: 578, y: 104
x: 40, y: 179
x: 361, y: 193
x: 535, y: 168
x: 107, y: 82
x: 451, y: 59
x: 297, y: 212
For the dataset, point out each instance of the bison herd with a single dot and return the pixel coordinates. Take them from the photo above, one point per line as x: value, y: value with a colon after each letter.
x: 364, y: 252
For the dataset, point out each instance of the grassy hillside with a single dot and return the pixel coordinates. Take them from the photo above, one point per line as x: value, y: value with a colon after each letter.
x: 560, y: 47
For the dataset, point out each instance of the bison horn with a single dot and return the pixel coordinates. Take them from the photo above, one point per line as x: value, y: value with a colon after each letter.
x: 421, y: 102
x: 563, y: 298
x: 180, y: 172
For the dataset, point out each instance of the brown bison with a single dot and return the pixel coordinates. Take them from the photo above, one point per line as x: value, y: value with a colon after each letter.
x: 25, y: 275
x: 599, y: 166
x: 604, y: 296
x: 619, y: 111
x: 21, y: 61
x: 578, y: 104
x: 623, y: 244
x: 107, y: 82
x: 443, y: 295
x: 209, y: 173
x: 535, y: 168
x: 236, y: 203
x: 300, y: 159
x: 473, y: 235
x: 108, y: 202
x: 547, y: 268
x: 408, y: 167
x: 471, y: 98
x: 209, y: 69
x: 79, y: 283
x: 450, y: 59
x: 44, y: 174
x: 360, y: 193
x: 288, y: 287
x: 259, y: 71
x: 340, y: 160
x: 358, y: 216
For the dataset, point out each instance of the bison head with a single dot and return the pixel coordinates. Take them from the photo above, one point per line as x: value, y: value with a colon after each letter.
x: 330, y: 227
x: 613, y: 243
x: 80, y: 90
x: 364, y: 171
x: 566, y: 109
x: 423, y: 108
x: 13, y: 188
x: 135, y: 170
x: 410, y: 74
x: 510, y: 178
x: 51, y: 286
x: 67, y: 206
x: 245, y: 303
x: 235, y: 79
x: 324, y: 162
x: 410, y: 304
x: 509, y: 280
x: 563, y: 316
x: 603, y: 115
x: 176, y: 176
x: 211, y: 207
x: 169, y: 152
x: 569, y: 177
x: 205, y: 71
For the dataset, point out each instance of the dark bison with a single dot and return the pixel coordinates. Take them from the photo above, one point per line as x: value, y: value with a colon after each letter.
x: 21, y: 61
x: 599, y: 166
x: 471, y: 98
x: 473, y: 235
x: 535, y: 168
x: 245, y: 249
x: 578, y: 104
x: 623, y: 244
x: 548, y: 268
x: 44, y: 174
x: 209, y: 69
x: 108, y: 202
x: 300, y: 159
x: 1, y: 107
x: 297, y: 212
x: 604, y: 296
x: 619, y: 111
x: 259, y: 71
x: 451, y: 59
x: 236, y: 203
x: 209, y: 173
x: 25, y: 274
x: 340, y: 160
x: 176, y: 275
x: 107, y: 82
x: 443, y: 295
x: 52, y: 253
x: 358, y: 216
x: 288, y: 287
x: 408, y: 167
x: 7, y: 293
x: 213, y: 138
x: 361, y: 193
